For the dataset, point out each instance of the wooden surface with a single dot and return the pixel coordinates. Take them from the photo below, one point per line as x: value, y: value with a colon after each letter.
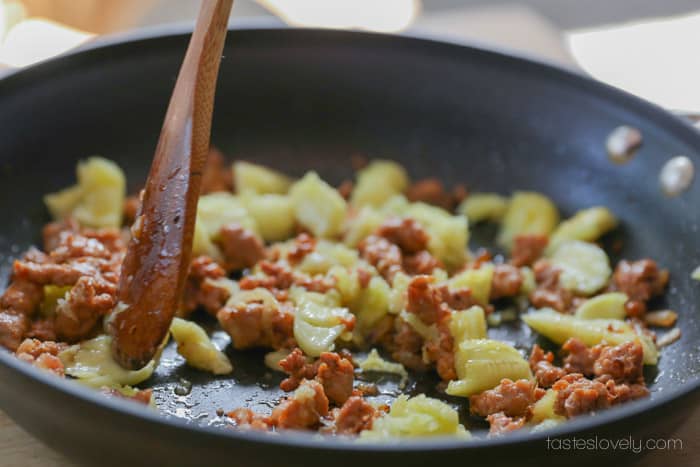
x: 98, y: 16
x: 19, y: 449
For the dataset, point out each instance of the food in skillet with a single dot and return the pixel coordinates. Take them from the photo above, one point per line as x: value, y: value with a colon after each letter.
x: 319, y: 276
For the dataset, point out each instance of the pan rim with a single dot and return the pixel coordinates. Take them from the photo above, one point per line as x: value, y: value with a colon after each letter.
x: 95, y: 50
x: 312, y: 440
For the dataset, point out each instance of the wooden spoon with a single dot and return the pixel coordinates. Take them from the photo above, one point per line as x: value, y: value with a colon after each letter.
x: 158, y: 256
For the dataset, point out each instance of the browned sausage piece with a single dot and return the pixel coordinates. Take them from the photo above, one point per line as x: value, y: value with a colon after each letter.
x: 241, y: 247
x: 640, y: 280
x: 17, y: 305
x: 201, y: 288
x: 425, y: 300
x: 432, y: 191
x: 405, y: 233
x: 337, y: 375
x: 500, y: 423
x: 13, y: 327
x: 354, y: 416
x: 506, y: 281
x: 580, y: 358
x: 297, y: 366
x: 546, y: 373
x: 43, y: 355
x: 333, y: 371
x: 303, y: 245
x: 88, y: 301
x: 406, y: 346
x: 303, y: 410
x: 577, y: 395
x: 622, y: 363
x: 246, y: 419
x: 513, y: 398
x: 383, y: 255
x: 549, y: 292
x: 256, y: 325
x: 527, y: 249
x: 421, y: 263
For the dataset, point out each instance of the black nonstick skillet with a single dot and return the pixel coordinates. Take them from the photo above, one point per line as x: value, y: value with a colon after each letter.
x: 309, y: 99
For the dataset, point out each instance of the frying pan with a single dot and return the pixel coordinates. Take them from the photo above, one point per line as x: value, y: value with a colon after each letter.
x: 308, y: 99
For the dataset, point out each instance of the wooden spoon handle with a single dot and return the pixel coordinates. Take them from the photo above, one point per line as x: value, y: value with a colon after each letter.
x: 158, y: 256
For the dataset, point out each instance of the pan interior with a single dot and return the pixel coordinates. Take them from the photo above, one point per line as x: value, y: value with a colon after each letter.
x: 302, y: 100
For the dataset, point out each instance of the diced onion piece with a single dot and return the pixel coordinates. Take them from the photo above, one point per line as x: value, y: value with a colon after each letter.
x: 98, y: 198
x: 529, y: 283
x: 253, y: 178
x: 257, y: 295
x: 218, y: 209
x: 544, y: 408
x: 318, y: 206
x: 273, y: 214
x: 199, y: 351
x: 62, y: 203
x: 480, y: 207
x: 608, y: 305
x: 527, y: 213
x: 477, y: 280
x: 202, y: 243
x: 104, y: 191
x: 362, y: 225
x: 427, y: 332
x: 92, y: 364
x: 481, y: 364
x: 398, y: 298
x: 52, y: 294
x: 372, y: 303
x: 587, y: 225
x: 374, y: 362
x: 318, y: 321
x: 326, y: 255
x: 696, y: 274
x: 585, y: 267
x: 314, y: 340
x: 468, y: 324
x: 378, y: 182
x: 661, y: 318
x: 418, y: 416
x: 346, y: 283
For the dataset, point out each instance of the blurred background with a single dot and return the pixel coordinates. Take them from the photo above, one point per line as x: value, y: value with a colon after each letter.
x: 647, y: 47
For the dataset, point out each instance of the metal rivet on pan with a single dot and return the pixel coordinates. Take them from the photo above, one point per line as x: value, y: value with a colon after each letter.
x: 622, y: 143
x: 676, y: 175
